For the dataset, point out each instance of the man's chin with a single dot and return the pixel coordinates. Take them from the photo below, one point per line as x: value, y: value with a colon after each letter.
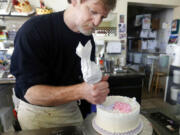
x: 86, y: 33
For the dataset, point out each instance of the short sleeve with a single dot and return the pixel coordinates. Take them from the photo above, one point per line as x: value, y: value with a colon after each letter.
x: 29, y: 59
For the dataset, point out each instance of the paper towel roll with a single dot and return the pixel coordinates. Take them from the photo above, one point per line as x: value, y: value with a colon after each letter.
x: 176, y: 76
x: 174, y: 93
x: 176, y: 61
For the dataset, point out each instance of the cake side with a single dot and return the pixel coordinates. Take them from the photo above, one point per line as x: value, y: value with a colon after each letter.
x: 115, y: 121
x: 22, y: 6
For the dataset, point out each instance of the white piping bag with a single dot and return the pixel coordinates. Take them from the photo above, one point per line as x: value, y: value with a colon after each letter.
x: 91, y: 72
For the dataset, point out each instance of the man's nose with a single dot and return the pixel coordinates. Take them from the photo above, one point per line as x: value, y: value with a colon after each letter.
x: 97, y: 20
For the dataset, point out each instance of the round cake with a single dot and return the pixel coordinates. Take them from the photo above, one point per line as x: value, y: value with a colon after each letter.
x: 118, y: 115
x: 41, y: 11
x: 22, y: 6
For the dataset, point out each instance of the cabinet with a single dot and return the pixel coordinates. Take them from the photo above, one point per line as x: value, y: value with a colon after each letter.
x: 127, y: 85
x: 148, y: 30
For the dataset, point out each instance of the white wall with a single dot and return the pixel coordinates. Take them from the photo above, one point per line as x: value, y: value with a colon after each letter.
x: 157, y: 2
x: 176, y: 13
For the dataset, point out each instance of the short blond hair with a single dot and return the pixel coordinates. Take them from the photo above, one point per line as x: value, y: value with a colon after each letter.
x: 109, y: 4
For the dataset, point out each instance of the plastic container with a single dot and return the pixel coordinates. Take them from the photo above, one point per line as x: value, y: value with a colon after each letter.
x: 176, y: 61
x: 109, y: 66
x: 176, y: 76
x: 137, y: 58
x: 174, y: 93
x: 163, y: 61
x: 93, y: 108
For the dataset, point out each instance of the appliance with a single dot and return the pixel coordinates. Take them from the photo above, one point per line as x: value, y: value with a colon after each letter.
x: 173, y: 79
x: 176, y: 76
x: 174, y: 93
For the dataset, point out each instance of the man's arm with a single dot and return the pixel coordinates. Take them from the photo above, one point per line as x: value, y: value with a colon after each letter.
x: 46, y: 95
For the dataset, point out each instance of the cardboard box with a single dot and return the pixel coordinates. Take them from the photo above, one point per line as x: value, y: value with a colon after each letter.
x: 139, y: 45
x: 155, y: 24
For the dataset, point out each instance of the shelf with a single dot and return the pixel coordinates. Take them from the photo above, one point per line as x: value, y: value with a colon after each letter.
x: 3, y: 16
x: 107, y: 38
x: 148, y: 38
x: 146, y: 52
x: 14, y: 14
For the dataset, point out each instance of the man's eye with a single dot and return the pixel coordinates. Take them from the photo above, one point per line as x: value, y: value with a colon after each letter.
x: 93, y: 12
x: 103, y: 17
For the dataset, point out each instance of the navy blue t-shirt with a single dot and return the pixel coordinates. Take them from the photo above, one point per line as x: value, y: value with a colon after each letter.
x: 45, y: 53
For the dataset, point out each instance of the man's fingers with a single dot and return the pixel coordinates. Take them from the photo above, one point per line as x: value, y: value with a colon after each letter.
x: 105, y: 78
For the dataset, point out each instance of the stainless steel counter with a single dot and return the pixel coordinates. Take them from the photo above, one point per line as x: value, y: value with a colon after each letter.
x: 85, y: 129
x: 50, y: 131
x: 127, y: 72
x: 7, y: 80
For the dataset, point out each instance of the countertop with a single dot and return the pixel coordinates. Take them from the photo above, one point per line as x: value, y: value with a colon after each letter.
x: 126, y: 72
x: 86, y: 129
x: 123, y: 73
x: 7, y: 80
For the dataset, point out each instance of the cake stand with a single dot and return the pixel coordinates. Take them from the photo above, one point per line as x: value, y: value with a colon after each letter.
x: 89, y: 130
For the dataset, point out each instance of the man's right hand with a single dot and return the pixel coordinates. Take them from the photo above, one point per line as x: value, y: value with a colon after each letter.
x: 95, y: 93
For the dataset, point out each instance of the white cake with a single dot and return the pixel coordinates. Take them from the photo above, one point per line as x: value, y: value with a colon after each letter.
x: 118, y: 114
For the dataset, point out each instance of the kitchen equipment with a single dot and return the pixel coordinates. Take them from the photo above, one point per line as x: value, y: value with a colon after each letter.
x: 176, y: 61
x: 130, y: 57
x: 70, y: 130
x: 109, y: 66
x: 137, y: 57
x: 176, y: 76
x: 122, y: 61
x: 165, y: 121
x: 174, y: 93
x: 163, y: 60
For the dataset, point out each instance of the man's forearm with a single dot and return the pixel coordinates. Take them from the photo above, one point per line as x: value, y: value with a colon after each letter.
x: 46, y: 95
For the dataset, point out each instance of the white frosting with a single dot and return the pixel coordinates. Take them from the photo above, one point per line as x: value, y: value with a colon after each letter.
x: 115, y: 121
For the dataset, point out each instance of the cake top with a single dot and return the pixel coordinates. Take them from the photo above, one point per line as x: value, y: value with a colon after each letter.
x: 119, y: 105
x: 122, y: 107
x: 22, y: 5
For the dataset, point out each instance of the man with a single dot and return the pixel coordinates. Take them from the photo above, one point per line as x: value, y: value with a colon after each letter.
x: 47, y: 69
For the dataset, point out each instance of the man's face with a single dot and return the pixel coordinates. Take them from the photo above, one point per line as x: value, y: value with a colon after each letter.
x: 90, y: 15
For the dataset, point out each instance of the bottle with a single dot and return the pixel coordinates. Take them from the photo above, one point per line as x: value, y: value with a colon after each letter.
x: 16, y: 124
x: 101, y: 63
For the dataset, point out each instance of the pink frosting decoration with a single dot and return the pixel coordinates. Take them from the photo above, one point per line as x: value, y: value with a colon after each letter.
x: 122, y: 107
